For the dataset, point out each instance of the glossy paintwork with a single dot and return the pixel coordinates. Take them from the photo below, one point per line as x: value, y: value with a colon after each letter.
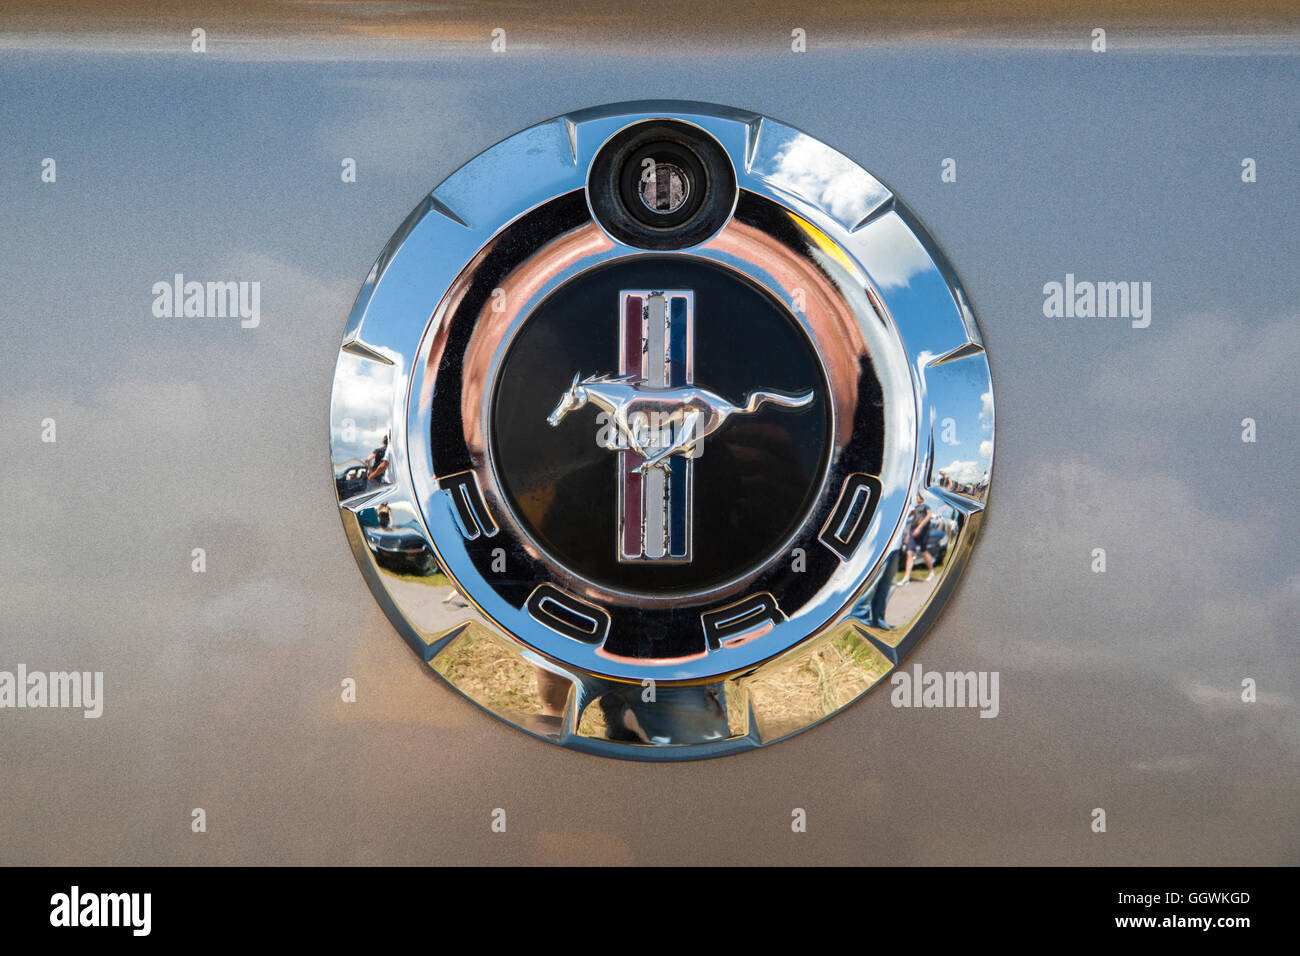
x: 1118, y: 690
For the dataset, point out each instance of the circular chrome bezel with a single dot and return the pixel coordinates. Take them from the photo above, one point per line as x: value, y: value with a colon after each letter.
x: 857, y: 273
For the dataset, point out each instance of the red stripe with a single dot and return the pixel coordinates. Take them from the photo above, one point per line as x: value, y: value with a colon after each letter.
x: 633, y: 337
x: 631, y: 504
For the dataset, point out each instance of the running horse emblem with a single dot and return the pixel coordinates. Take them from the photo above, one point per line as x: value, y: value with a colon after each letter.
x: 686, y: 414
x: 655, y: 417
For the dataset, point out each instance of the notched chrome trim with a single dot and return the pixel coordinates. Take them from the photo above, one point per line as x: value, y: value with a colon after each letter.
x: 864, y: 281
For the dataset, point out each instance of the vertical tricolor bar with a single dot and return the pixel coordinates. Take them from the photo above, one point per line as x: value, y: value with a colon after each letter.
x: 655, y: 348
x: 680, y: 348
x: 631, y: 351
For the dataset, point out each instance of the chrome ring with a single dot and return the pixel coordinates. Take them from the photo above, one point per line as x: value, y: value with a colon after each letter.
x: 863, y: 283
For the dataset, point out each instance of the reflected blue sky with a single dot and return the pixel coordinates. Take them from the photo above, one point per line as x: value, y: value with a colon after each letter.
x: 180, y: 432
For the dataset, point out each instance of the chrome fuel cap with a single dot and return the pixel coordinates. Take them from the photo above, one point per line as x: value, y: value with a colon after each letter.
x: 637, y: 419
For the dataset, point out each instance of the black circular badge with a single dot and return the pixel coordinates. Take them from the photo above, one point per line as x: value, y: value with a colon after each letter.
x: 660, y: 425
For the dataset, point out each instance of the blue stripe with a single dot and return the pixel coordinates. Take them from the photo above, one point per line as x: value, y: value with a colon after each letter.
x: 677, y: 505
x: 677, y: 340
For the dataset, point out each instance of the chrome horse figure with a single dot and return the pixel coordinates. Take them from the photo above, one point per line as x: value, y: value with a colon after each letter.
x: 686, y: 414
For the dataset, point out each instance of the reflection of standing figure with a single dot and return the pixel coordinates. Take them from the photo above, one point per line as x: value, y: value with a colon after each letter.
x: 918, y: 531
x: 881, y: 596
x: 677, y: 715
x: 379, y: 464
x: 871, y: 609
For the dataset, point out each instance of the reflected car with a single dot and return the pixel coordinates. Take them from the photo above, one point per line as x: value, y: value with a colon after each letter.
x: 404, y: 552
x: 352, y: 482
